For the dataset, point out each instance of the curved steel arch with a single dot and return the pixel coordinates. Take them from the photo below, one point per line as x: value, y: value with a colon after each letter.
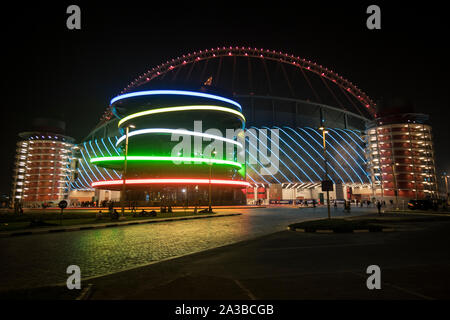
x: 266, y: 54
x: 320, y: 105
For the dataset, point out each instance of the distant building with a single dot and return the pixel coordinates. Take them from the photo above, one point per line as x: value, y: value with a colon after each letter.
x: 44, y: 164
x: 401, y: 156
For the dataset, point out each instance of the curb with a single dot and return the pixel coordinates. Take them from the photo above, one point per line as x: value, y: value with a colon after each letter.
x: 85, y: 293
x: 334, y: 231
x: 110, y: 225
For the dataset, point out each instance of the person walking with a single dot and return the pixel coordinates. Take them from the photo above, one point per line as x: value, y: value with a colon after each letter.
x: 379, y: 207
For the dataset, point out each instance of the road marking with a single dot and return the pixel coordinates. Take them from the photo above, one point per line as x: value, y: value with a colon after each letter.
x: 85, y: 293
x: 398, y: 288
x: 247, y: 291
x: 324, y: 246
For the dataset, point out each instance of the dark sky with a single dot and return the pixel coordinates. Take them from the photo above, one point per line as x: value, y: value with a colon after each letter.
x: 71, y: 75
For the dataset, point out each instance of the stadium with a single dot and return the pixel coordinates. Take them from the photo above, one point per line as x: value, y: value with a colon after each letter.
x: 286, y: 104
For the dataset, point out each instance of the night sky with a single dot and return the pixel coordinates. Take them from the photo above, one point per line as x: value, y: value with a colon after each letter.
x: 50, y: 71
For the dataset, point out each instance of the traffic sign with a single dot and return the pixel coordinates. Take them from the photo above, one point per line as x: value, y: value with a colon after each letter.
x: 62, y: 204
x: 327, y: 185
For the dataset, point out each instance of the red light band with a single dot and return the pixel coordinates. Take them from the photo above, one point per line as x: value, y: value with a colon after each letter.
x: 242, y: 184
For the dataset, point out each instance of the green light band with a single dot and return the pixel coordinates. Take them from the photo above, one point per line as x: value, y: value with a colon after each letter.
x: 155, y: 158
x: 181, y: 108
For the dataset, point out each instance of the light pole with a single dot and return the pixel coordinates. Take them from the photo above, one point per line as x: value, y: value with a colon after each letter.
x: 446, y: 187
x: 124, y: 173
x: 185, y: 199
x: 210, y: 174
x: 394, y: 176
x: 324, y: 132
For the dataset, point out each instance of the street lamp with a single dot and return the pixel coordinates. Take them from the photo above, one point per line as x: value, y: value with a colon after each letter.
x: 124, y: 173
x: 324, y: 132
x: 394, y: 177
x: 210, y: 174
x: 446, y: 187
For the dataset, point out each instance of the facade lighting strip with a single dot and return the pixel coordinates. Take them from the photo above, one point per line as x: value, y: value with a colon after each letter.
x: 298, y: 155
x: 174, y: 92
x: 328, y: 153
x: 317, y: 152
x: 339, y: 154
x: 348, y: 153
x: 180, y: 132
x: 281, y: 149
x: 307, y: 153
x: 242, y: 184
x: 251, y: 145
x: 268, y: 160
x: 155, y: 158
x: 181, y: 108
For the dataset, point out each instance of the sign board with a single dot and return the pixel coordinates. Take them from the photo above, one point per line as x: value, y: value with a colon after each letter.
x: 276, y: 201
x: 62, y: 204
x: 327, y: 185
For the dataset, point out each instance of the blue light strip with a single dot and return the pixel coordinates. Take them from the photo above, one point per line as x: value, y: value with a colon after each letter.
x: 82, y: 176
x: 281, y: 149
x: 307, y: 164
x: 359, y: 146
x: 279, y: 169
x: 87, y: 163
x: 250, y: 178
x: 357, y: 135
x: 78, y: 186
x: 318, y: 153
x: 89, y: 177
x: 93, y: 151
x: 329, y: 144
x: 106, y: 170
x: 249, y: 165
x: 103, y: 141
x: 363, y: 160
x: 109, y: 139
x: 174, y: 92
x: 262, y: 166
x: 89, y: 156
x: 356, y: 143
x: 346, y: 151
x: 96, y: 156
x: 98, y: 147
x: 306, y: 153
x: 364, y: 143
x: 75, y: 185
x: 321, y: 146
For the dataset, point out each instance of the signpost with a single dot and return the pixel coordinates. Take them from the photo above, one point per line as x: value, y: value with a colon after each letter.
x: 62, y: 204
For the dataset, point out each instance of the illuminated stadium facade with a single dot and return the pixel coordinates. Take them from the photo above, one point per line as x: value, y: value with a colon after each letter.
x: 162, y: 158
x: 281, y: 99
